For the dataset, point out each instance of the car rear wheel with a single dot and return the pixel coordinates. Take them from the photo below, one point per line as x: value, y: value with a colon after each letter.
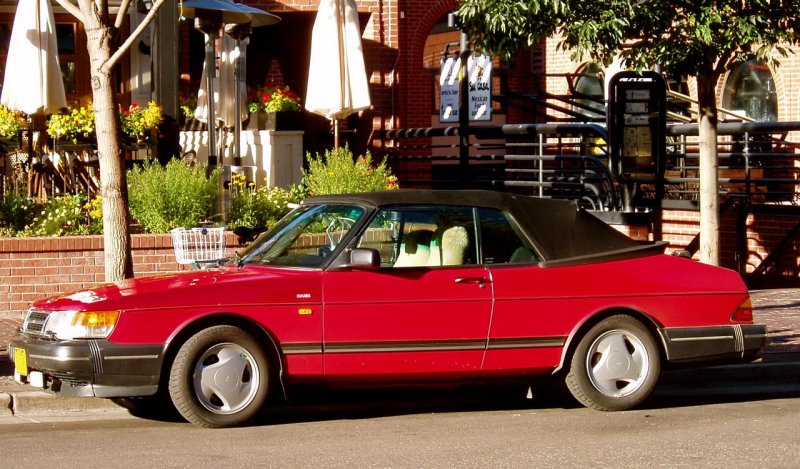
x: 615, y: 366
x: 219, y: 378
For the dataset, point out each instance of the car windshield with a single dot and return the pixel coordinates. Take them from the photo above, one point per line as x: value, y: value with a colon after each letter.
x: 306, y: 237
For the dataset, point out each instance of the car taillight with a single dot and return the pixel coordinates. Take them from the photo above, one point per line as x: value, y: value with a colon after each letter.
x: 744, y: 313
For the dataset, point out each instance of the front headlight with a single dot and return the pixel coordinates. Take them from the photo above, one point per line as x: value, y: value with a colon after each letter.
x: 69, y: 325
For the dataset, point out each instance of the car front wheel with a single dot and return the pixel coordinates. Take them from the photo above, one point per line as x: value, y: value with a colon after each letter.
x: 219, y: 377
x: 615, y: 365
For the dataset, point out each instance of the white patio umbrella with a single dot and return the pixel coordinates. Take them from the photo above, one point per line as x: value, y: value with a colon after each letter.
x: 33, y: 83
x: 337, y: 78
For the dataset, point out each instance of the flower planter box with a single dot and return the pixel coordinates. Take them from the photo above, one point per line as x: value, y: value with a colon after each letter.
x: 281, y: 120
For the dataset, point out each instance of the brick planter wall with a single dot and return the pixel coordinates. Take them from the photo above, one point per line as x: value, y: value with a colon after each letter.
x: 32, y: 268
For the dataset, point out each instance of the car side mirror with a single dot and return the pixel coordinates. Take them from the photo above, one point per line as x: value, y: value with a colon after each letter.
x: 364, y: 258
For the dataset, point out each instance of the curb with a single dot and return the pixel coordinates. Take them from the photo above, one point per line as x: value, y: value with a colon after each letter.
x: 25, y: 402
x: 6, y: 405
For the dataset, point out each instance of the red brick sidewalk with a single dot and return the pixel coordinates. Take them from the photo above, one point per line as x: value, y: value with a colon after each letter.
x: 779, y: 309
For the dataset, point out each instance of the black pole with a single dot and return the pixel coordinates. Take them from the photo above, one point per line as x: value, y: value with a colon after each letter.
x: 463, y: 114
x: 211, y: 29
x: 239, y: 32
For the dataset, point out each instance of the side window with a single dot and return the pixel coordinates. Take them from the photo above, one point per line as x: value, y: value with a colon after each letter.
x: 501, y: 241
x: 425, y: 236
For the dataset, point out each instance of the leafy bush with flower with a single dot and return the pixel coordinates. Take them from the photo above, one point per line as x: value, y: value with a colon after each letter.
x: 262, y: 206
x: 272, y: 99
x: 77, y: 124
x: 187, y: 103
x: 162, y: 198
x: 16, y: 212
x: 138, y: 123
x: 74, y: 124
x: 11, y: 123
x: 338, y: 172
x: 62, y: 216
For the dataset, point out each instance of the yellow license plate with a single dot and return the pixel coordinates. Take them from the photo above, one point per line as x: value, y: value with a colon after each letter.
x: 20, y: 361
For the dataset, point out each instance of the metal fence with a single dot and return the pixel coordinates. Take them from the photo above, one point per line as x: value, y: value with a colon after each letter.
x: 758, y: 161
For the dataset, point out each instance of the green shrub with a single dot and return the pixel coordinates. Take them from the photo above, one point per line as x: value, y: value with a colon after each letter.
x: 162, y: 198
x: 16, y: 212
x: 337, y: 172
x: 263, y: 206
x: 61, y: 216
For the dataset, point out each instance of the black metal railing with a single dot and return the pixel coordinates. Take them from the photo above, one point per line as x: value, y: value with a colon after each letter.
x: 757, y: 161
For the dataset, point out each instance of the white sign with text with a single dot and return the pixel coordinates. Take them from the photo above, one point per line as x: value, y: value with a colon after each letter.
x: 479, y: 69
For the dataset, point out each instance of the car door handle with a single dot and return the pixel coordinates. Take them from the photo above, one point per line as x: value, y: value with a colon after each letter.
x: 481, y: 281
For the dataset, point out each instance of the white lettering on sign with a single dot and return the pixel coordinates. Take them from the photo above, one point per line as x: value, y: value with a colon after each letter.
x: 448, y: 82
x: 479, y: 70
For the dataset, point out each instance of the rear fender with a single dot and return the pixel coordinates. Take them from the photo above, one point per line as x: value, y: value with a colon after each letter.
x: 590, y: 321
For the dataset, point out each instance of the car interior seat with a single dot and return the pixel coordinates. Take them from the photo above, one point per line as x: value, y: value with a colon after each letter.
x: 415, y: 249
x: 521, y: 255
x: 449, y: 246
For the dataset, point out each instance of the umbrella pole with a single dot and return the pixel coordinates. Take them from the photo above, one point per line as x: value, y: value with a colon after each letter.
x: 336, y: 133
x: 237, y: 106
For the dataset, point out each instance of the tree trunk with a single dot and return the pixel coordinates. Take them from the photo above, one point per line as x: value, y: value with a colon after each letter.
x: 709, y: 169
x: 113, y: 184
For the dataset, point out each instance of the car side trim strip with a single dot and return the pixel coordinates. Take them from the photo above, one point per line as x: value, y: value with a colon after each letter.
x: 301, y: 348
x: 423, y: 346
x: 401, y: 346
x: 132, y: 357
x: 538, y: 342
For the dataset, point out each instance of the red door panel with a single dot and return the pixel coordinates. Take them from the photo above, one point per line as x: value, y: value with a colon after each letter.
x: 416, y: 323
x: 528, y: 330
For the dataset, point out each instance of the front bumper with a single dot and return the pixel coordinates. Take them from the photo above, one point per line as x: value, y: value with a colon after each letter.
x: 97, y: 368
x: 732, y: 342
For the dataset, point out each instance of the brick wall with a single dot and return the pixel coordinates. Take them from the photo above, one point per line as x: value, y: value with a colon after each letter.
x: 32, y: 268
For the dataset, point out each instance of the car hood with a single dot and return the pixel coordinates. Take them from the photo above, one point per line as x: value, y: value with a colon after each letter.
x: 228, y: 285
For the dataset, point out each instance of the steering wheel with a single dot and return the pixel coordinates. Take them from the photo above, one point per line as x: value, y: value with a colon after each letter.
x: 344, y: 224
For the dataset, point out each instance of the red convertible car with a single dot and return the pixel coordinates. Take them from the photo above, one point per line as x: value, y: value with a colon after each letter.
x: 396, y: 287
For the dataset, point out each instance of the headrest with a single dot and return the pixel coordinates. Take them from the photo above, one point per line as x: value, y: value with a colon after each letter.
x: 415, y: 238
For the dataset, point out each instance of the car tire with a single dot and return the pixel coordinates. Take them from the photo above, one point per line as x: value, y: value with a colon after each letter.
x: 219, y: 378
x: 615, y: 366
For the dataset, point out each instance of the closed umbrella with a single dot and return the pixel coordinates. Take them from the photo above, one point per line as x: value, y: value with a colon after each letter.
x: 33, y: 82
x: 337, y: 78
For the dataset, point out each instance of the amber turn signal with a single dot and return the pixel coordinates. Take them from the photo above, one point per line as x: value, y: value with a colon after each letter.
x: 744, y: 313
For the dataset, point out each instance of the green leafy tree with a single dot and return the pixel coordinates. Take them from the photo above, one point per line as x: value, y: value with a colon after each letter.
x: 700, y: 38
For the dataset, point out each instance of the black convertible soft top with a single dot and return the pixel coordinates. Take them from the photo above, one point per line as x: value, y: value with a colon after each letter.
x: 563, y: 233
